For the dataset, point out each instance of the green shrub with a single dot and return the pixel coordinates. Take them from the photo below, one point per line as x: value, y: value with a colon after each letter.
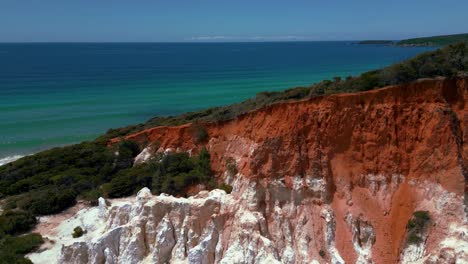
x: 78, y: 232
x: 92, y: 196
x: 46, y: 202
x: 50, y: 181
x: 322, y: 253
x: 15, y: 222
x: 127, y: 150
x: 416, y: 226
x: 129, y: 146
x: 121, y: 185
x: 225, y: 187
x: 13, y: 249
x: 199, y: 133
x: 67, y: 166
x: 171, y: 174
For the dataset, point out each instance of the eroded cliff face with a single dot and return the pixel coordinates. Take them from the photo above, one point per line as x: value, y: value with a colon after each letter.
x: 328, y: 180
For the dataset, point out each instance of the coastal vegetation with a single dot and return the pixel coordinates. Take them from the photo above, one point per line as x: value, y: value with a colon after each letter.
x: 434, y: 41
x: 225, y: 187
x: 421, y: 42
x: 51, y: 181
x: 416, y: 227
x: 78, y: 232
x: 13, y: 249
x: 170, y: 174
x: 199, y: 133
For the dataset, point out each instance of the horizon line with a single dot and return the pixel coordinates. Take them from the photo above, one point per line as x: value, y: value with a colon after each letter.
x: 169, y: 42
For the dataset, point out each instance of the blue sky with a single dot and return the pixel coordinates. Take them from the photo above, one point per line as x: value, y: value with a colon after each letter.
x: 223, y: 20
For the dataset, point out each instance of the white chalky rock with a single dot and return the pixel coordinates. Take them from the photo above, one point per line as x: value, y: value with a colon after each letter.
x: 259, y: 222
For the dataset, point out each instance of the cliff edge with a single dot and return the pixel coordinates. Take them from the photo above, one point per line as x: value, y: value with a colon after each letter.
x: 371, y: 177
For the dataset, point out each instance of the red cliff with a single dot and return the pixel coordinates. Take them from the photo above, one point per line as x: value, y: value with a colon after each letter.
x: 354, y: 168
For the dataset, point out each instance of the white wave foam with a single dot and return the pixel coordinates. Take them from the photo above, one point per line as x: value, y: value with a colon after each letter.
x: 9, y: 159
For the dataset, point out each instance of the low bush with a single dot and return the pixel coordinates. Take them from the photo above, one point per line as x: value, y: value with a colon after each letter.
x: 13, y: 249
x: 225, y: 187
x: 416, y: 227
x: 13, y: 222
x: 171, y: 174
x: 199, y: 133
x: 127, y: 150
x: 78, y: 232
x: 92, y: 196
x: 46, y: 202
x: 322, y: 253
x: 127, y: 181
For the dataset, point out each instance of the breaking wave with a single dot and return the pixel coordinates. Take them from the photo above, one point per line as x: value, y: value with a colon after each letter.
x: 9, y: 159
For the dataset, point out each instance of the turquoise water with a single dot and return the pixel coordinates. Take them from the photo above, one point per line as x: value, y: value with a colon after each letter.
x: 57, y: 94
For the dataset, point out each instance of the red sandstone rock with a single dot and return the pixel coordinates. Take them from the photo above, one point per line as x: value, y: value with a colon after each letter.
x: 382, y: 154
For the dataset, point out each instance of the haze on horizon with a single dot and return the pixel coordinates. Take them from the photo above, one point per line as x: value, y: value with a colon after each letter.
x: 242, y: 20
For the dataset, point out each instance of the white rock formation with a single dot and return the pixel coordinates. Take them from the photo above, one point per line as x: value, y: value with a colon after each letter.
x: 144, y: 155
x: 257, y: 223
x: 261, y: 221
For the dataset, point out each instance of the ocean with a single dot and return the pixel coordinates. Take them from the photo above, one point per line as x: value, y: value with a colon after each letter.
x: 54, y: 94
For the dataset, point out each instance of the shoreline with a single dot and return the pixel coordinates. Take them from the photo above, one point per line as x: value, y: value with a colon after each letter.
x: 9, y: 159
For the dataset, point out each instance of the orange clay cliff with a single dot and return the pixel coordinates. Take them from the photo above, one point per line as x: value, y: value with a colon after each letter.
x: 333, y: 179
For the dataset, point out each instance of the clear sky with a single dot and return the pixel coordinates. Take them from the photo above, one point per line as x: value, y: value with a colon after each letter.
x: 223, y: 20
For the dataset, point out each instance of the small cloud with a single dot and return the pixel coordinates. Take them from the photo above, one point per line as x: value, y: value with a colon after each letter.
x: 249, y: 38
x: 210, y: 38
x: 278, y: 38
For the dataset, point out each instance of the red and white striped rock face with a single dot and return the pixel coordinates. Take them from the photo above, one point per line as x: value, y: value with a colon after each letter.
x: 328, y: 180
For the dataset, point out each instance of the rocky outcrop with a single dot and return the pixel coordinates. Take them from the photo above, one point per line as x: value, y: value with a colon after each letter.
x: 329, y: 179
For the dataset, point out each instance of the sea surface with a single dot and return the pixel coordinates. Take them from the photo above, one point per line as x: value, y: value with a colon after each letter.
x: 54, y: 94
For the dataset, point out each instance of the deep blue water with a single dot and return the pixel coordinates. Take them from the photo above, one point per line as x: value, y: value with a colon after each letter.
x: 57, y: 94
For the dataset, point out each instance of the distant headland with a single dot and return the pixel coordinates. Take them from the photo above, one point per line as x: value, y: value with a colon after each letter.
x: 418, y: 42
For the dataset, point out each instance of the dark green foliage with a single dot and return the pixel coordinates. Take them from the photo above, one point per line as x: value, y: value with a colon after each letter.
x: 92, y: 196
x: 49, y: 201
x: 434, y: 41
x: 78, y: 232
x: 170, y: 174
x: 13, y: 249
x: 13, y: 222
x: 49, y: 182
x: 51, y: 191
x: 416, y: 226
x: 225, y: 187
x: 83, y: 166
x: 322, y: 253
x: 199, y: 133
x: 67, y: 166
x: 127, y: 151
x: 128, y: 181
